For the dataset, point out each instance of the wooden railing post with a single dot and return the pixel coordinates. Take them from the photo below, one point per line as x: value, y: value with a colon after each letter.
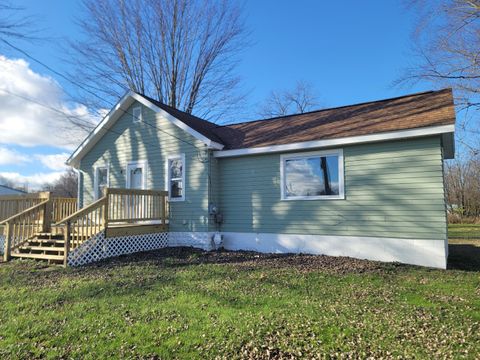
x: 105, y: 210
x: 67, y: 236
x: 7, y: 250
x: 47, y: 211
x: 164, y: 209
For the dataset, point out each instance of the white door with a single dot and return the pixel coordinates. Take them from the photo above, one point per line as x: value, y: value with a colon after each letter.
x: 136, y: 179
x: 136, y: 176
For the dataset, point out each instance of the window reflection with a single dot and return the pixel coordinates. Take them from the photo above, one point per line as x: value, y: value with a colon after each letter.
x: 312, y: 176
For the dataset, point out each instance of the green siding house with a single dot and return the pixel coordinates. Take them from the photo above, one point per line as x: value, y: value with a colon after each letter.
x: 364, y: 180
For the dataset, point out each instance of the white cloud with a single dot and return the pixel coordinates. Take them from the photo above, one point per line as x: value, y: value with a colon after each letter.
x: 54, y: 162
x: 11, y: 157
x: 33, y: 182
x: 27, y: 123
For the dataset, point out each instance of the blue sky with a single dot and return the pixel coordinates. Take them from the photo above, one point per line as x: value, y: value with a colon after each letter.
x: 351, y: 51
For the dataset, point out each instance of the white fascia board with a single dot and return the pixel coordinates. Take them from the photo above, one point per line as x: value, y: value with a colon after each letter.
x: 120, y: 109
x: 393, y: 135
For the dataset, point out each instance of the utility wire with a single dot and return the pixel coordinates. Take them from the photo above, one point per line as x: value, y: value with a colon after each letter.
x: 92, y: 93
x: 67, y: 115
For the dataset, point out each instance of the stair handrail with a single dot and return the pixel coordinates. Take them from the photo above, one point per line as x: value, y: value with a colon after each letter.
x: 82, y: 211
x: 23, y: 212
x: 81, y: 230
x: 15, y: 238
x: 13, y: 204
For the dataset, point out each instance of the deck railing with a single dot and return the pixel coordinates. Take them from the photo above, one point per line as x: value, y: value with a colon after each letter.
x: 118, y: 211
x: 83, y: 224
x: 63, y: 207
x: 24, y: 216
x: 132, y: 206
x: 13, y: 204
x: 23, y: 226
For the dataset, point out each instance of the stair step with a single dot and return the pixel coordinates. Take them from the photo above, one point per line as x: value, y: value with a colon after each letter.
x: 38, y: 256
x: 42, y: 248
x: 49, y: 236
x: 46, y: 241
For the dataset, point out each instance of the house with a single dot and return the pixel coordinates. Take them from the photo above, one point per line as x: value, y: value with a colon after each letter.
x: 7, y: 190
x: 363, y: 180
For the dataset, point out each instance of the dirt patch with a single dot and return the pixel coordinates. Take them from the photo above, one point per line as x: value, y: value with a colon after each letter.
x: 185, y: 256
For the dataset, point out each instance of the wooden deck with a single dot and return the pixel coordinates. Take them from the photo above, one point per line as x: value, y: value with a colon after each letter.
x: 51, y: 227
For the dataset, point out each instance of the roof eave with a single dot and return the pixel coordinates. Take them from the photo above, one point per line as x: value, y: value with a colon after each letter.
x: 385, y: 136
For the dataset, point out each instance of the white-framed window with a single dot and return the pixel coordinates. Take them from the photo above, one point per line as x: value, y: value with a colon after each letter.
x: 175, y: 179
x: 101, y: 180
x: 312, y: 176
x: 137, y: 114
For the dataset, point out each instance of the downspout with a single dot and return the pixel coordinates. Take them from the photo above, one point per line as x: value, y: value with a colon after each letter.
x: 79, y: 187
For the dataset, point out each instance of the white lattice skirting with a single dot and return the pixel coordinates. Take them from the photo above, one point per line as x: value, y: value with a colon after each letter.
x: 2, y: 244
x: 98, y: 247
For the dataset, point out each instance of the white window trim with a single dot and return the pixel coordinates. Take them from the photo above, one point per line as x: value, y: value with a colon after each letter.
x: 95, y: 179
x: 137, y: 119
x: 144, y: 165
x: 341, y: 175
x: 167, y: 176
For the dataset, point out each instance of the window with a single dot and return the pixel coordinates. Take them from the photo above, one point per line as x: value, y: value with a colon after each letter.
x: 137, y: 114
x: 312, y: 176
x: 101, y: 180
x: 176, y: 177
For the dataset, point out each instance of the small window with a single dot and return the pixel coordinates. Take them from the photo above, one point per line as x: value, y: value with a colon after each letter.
x: 137, y: 114
x: 176, y: 177
x: 101, y: 181
x: 312, y: 176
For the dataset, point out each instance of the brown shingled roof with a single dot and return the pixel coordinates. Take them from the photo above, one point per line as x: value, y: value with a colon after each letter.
x: 432, y: 108
x: 204, y: 127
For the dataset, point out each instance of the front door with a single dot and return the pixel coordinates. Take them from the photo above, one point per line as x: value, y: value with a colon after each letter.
x: 136, y: 176
x: 136, y: 179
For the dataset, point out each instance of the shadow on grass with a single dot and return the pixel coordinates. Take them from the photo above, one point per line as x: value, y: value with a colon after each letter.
x: 464, y: 257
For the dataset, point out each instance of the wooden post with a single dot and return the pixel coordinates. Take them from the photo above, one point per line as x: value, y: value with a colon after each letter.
x: 105, y: 211
x: 47, y: 211
x: 8, y: 242
x: 66, y: 245
x: 164, y: 201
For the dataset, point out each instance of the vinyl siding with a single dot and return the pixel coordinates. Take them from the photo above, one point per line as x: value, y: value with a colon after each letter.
x: 214, y: 189
x: 392, y: 189
x: 128, y: 142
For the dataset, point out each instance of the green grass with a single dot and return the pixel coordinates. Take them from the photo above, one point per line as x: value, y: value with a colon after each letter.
x: 464, y: 231
x: 189, y: 304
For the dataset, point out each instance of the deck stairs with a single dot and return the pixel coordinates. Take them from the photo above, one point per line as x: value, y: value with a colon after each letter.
x: 43, y: 246
x: 53, y: 227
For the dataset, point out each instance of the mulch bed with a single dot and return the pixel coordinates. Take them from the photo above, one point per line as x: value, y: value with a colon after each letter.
x: 249, y: 260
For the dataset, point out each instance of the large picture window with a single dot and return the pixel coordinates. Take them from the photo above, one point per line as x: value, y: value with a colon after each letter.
x: 176, y: 177
x: 312, y: 176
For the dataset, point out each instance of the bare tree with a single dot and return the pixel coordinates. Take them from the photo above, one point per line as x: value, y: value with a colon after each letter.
x: 65, y: 186
x: 462, y: 181
x: 13, y: 24
x: 447, y: 45
x: 300, y: 99
x: 181, y: 52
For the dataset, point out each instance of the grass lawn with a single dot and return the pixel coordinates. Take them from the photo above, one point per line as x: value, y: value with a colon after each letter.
x: 463, y: 231
x: 182, y: 303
